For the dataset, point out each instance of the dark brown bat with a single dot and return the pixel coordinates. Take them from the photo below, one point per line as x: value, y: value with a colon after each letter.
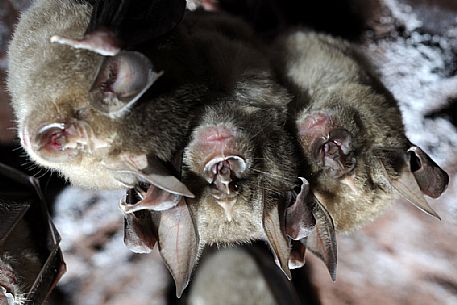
x: 19, y: 266
x: 241, y: 181
x: 243, y: 170
x: 351, y: 132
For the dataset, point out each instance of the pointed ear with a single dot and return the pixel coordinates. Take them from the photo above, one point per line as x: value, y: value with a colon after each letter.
x: 121, y: 81
x: 276, y: 239
x: 432, y: 180
x: 322, y: 240
x: 299, y: 217
x: 139, y: 235
x: 407, y: 186
x: 178, y: 243
x: 151, y: 169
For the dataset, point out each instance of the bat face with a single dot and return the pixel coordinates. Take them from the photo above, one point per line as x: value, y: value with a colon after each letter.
x: 50, y: 87
x: 222, y: 155
x: 77, y: 110
x: 345, y: 171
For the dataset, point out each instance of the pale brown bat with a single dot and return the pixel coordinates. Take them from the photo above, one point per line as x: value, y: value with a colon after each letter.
x: 351, y: 132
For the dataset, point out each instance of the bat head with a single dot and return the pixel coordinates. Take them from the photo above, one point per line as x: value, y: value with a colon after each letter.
x: 221, y: 157
x: 360, y: 158
x: 68, y: 101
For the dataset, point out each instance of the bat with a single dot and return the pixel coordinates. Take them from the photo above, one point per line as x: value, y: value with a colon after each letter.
x: 72, y: 124
x: 351, y: 132
x: 243, y: 170
x: 223, y: 147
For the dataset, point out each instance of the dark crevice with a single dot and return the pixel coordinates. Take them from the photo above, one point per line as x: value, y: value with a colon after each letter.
x: 445, y: 283
x: 448, y: 112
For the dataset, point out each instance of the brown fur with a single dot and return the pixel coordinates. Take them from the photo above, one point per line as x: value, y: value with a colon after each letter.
x: 331, y: 78
x: 271, y: 173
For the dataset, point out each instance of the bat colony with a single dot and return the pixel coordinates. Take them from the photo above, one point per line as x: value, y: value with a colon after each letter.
x: 218, y: 138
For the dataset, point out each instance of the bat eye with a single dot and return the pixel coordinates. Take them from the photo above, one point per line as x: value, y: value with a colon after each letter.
x: 235, y: 186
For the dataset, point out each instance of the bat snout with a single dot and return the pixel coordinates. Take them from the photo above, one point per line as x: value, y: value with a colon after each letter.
x: 57, y: 142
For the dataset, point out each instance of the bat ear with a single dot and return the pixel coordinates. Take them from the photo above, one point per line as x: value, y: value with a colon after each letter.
x: 178, y: 243
x: 156, y: 173
x: 406, y: 184
x: 432, y: 180
x: 139, y: 235
x: 155, y: 199
x: 152, y: 170
x: 322, y: 240
x: 273, y: 226
x: 299, y: 217
x: 121, y: 81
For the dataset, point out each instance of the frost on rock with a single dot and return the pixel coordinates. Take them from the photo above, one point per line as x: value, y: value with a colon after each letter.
x: 100, y: 269
x: 418, y: 67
